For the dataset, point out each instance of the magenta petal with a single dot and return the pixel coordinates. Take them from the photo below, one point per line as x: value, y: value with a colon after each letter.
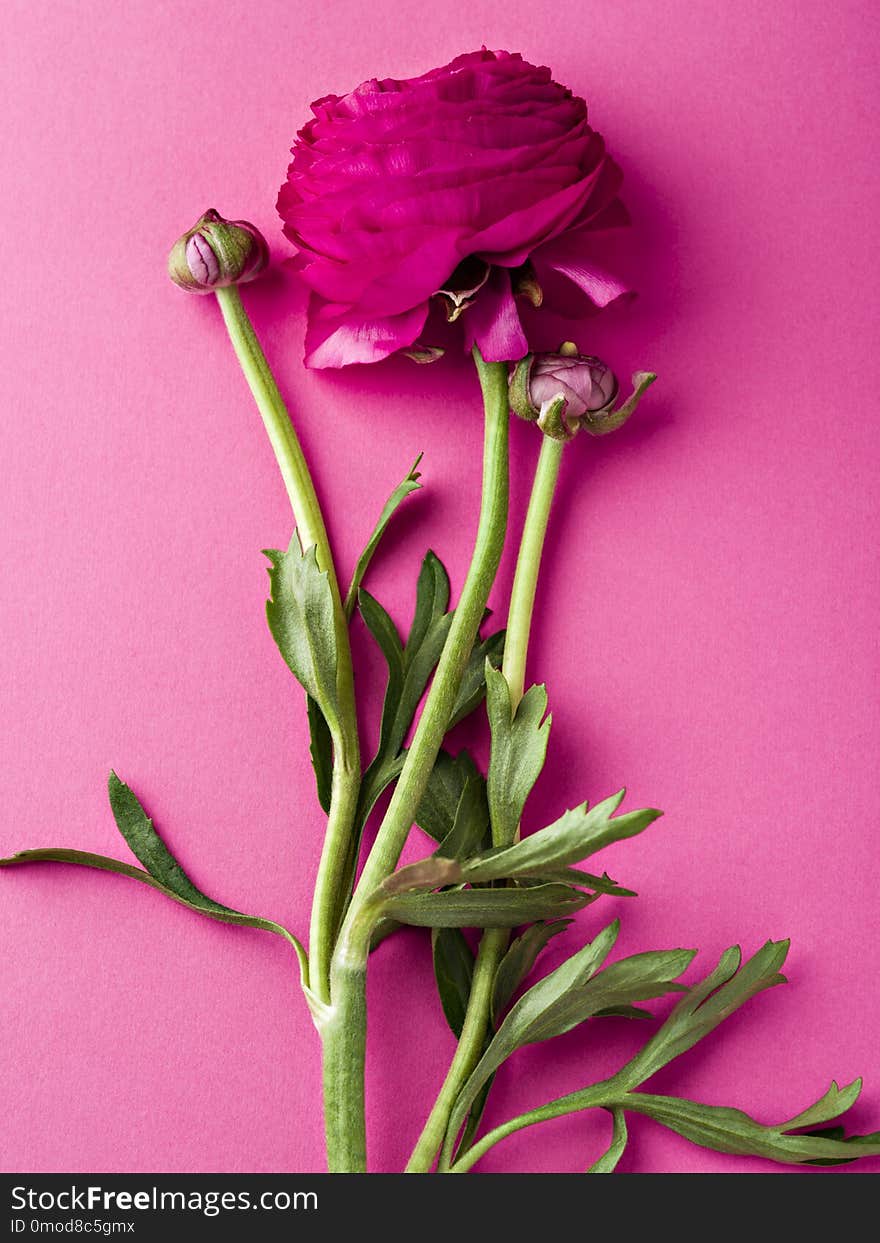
x: 492, y: 321
x: 572, y: 256
x: 337, y: 341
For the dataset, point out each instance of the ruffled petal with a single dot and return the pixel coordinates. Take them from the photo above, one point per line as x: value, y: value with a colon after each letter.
x: 334, y: 340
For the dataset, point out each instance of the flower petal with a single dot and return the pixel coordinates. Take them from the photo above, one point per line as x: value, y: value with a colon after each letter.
x: 339, y: 340
x: 492, y: 322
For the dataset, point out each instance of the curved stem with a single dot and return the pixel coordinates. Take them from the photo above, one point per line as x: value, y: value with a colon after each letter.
x: 599, y: 1095
x: 312, y: 532
x: 493, y: 944
x: 440, y: 702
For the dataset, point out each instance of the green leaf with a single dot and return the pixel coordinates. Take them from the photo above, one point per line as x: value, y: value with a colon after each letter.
x: 706, y: 1005
x: 519, y: 960
x: 471, y: 824
x: 519, y: 747
x: 201, y: 903
x: 484, y: 908
x: 321, y: 750
x: 607, y: 1163
x: 453, y: 971
x: 440, y: 801
x: 148, y: 848
x: 731, y: 1130
x: 575, y: 991
x: 473, y: 684
x: 432, y: 601
x: 300, y: 616
x: 574, y: 836
x: 531, y: 1019
x: 409, y: 485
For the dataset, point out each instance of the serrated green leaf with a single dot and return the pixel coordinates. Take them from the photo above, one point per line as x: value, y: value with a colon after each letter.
x: 575, y: 835
x: 623, y: 1012
x: 321, y: 751
x: 516, y: 964
x: 607, y: 1163
x: 446, y: 784
x: 706, y: 1005
x: 732, y: 1131
x: 484, y: 908
x: 519, y: 748
x: 300, y: 616
x: 575, y: 991
x: 473, y: 683
x: 531, y: 1018
x: 404, y: 489
x: 200, y: 902
x: 453, y: 972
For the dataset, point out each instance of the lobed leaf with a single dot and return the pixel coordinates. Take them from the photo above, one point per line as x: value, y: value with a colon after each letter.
x: 300, y: 616
x: 522, y: 953
x: 574, y: 836
x: 708, y: 1004
x: 519, y: 747
x: 732, y: 1131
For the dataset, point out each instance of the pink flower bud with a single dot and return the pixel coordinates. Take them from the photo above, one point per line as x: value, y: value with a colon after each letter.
x: 217, y: 252
x: 586, y: 383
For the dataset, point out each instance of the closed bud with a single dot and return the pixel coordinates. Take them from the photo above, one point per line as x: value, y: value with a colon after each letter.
x: 217, y: 252
x: 567, y: 391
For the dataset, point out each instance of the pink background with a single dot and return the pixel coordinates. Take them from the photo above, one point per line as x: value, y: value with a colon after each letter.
x: 709, y: 607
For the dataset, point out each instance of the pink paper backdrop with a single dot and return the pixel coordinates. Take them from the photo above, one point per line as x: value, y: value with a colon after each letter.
x: 708, y: 620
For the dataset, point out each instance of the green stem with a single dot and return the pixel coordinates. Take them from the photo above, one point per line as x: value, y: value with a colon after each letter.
x: 493, y: 944
x: 600, y: 1095
x: 344, y: 1028
x: 528, y: 565
x: 440, y: 702
x: 326, y: 907
x: 467, y: 1053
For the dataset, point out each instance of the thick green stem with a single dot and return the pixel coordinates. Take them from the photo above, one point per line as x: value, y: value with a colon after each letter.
x: 343, y: 1042
x: 312, y: 531
x: 343, y: 1031
x: 493, y: 944
x: 440, y: 702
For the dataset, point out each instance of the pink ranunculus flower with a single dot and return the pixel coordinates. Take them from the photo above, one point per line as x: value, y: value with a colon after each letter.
x: 467, y: 187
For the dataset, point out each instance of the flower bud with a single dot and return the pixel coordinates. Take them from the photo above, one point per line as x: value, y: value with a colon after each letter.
x: 217, y: 252
x: 558, y: 390
x: 567, y: 391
